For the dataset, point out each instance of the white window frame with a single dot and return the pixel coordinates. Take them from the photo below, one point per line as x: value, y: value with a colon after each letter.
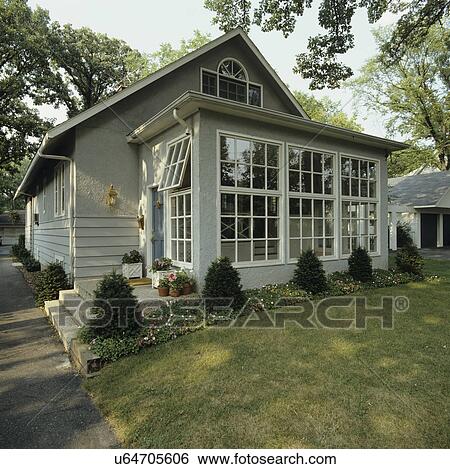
x: 169, y: 217
x: 180, y: 160
x: 313, y: 196
x: 218, y: 75
x: 59, y: 199
x: 44, y: 196
x: 349, y: 198
x: 249, y: 191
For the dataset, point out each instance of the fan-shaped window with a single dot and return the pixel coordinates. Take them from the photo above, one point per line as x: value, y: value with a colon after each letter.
x: 230, y: 81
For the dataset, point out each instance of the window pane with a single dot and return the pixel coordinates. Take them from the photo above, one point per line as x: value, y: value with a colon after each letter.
x: 244, y: 251
x: 372, y: 189
x: 317, y: 162
x: 259, y: 228
x: 318, y: 208
x: 345, y: 245
x: 294, y: 181
x: 294, y: 228
x: 228, y: 228
x: 181, y: 228
x: 188, y: 252
x: 329, y: 212
x: 228, y: 250
x: 363, y: 186
x: 259, y: 250
x: 272, y: 228
x: 180, y: 251
x: 363, y: 165
x: 306, y: 182
x: 294, y: 158
x: 329, y: 227
x: 227, y: 148
x: 372, y: 170
x: 272, y: 155
x: 209, y: 83
x: 306, y: 161
x: 318, y: 246
x: 243, y: 151
x: 318, y: 227
x: 294, y: 207
x: 272, y: 179
x: 294, y: 248
x: 187, y: 204
x: 345, y: 167
x: 328, y: 163
x: 329, y: 247
x: 227, y: 204
x: 254, y: 95
x: 306, y: 244
x: 188, y: 228
x: 243, y: 228
x: 243, y: 175
x: 174, y: 249
x: 306, y: 208
x: 345, y: 186
x: 306, y: 228
x: 228, y: 176
x: 259, y: 205
x: 258, y: 153
x: 355, y: 187
x: 355, y: 168
x: 259, y: 177
x: 317, y: 178
x: 180, y: 206
x: 272, y: 206
x: 243, y: 204
x: 272, y: 249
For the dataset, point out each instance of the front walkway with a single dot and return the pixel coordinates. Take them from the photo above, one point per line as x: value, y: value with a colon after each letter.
x: 42, y: 404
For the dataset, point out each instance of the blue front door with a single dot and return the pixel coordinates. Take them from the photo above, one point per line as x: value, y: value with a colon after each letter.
x: 157, y: 224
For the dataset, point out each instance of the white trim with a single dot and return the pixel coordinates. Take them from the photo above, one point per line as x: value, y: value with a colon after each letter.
x: 232, y: 59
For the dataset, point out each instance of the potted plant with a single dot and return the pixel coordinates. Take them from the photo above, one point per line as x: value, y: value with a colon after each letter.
x: 163, y: 287
x: 186, y: 282
x: 161, y: 268
x: 175, y: 284
x: 132, y: 264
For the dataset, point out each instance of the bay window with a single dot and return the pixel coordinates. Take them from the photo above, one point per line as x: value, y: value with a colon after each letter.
x: 359, y: 205
x: 250, y: 200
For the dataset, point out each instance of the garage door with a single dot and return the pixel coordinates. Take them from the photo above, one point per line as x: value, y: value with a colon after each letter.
x: 446, y: 230
x: 428, y: 229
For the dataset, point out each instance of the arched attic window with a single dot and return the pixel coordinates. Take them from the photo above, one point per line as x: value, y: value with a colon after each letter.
x: 230, y: 81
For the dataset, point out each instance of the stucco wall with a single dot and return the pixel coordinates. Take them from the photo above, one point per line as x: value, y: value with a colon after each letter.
x: 206, y: 177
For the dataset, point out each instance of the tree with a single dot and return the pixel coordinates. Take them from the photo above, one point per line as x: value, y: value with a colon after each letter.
x: 413, y: 92
x: 320, y: 63
x: 327, y: 111
x: 24, y: 70
x: 10, y: 178
x: 90, y: 66
x: 167, y: 54
x: 309, y: 274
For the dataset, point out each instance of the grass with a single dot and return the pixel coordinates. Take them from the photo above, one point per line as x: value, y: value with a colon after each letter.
x: 293, y: 387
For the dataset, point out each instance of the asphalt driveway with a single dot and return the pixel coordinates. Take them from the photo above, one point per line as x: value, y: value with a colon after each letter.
x: 42, y: 404
x: 442, y: 254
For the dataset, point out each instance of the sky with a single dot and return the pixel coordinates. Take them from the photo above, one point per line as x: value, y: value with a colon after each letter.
x: 145, y: 24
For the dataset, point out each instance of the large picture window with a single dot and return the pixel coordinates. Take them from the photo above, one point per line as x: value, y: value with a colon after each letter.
x: 178, y: 156
x: 250, y: 227
x: 249, y: 164
x: 359, y: 204
x: 311, y: 226
x: 181, y: 227
x: 230, y: 81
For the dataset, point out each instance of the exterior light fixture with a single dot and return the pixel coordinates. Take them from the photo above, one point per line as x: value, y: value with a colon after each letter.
x: 140, y: 220
x: 111, y: 196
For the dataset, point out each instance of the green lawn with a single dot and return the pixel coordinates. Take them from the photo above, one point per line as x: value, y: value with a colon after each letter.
x: 292, y: 388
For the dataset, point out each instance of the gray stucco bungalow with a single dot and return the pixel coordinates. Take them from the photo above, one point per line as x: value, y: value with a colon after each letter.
x: 218, y: 157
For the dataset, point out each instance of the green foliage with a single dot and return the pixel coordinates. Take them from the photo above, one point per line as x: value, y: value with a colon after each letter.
x: 409, y: 260
x: 320, y: 63
x: 269, y: 295
x: 413, y: 93
x: 133, y: 257
x: 403, y: 162
x: 327, y: 111
x: 32, y: 264
x: 51, y: 280
x: 114, y: 307
x: 404, y: 237
x: 21, y: 240
x: 163, y: 263
x: 110, y: 349
x: 19, y: 251
x: 309, y: 274
x: 167, y: 54
x: 360, y: 265
x: 223, y: 281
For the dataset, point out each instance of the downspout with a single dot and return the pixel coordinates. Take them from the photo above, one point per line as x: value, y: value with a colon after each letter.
x: 182, y: 122
x: 71, y: 204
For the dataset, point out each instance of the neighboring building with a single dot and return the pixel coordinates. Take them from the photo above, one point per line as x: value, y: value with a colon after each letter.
x: 12, y: 224
x: 423, y: 203
x: 217, y: 156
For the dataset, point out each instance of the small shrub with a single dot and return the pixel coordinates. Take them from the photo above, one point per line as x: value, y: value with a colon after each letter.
x: 270, y: 295
x: 21, y: 241
x: 110, y: 349
x: 409, y: 260
x: 223, y: 281
x: 114, y: 307
x: 404, y: 237
x: 49, y: 283
x: 133, y: 257
x: 360, y: 265
x: 32, y: 264
x: 164, y: 263
x: 309, y: 274
x: 342, y: 283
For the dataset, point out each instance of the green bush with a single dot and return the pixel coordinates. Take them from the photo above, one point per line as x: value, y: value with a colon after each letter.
x: 342, y: 283
x: 269, y: 295
x: 223, y: 281
x: 21, y: 241
x: 404, y: 237
x: 114, y: 307
x: 31, y: 264
x: 409, y: 260
x: 51, y: 280
x: 309, y: 274
x: 20, y: 252
x: 110, y: 349
x: 360, y: 265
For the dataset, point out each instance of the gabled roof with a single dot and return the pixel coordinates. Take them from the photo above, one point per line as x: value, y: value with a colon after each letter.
x: 421, y: 191
x: 138, y: 85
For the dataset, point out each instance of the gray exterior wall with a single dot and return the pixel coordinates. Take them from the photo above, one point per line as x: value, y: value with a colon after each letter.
x: 208, y: 205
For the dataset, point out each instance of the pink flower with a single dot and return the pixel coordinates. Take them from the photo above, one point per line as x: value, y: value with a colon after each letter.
x: 172, y: 277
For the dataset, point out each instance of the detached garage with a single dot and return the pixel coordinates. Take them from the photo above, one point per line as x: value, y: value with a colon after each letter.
x: 12, y: 224
x: 423, y: 203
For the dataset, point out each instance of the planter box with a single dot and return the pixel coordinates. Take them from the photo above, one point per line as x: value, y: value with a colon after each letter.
x: 158, y: 275
x: 132, y: 270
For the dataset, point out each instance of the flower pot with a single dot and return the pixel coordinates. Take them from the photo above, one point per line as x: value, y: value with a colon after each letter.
x: 174, y: 293
x: 187, y: 289
x: 163, y: 291
x: 132, y: 270
x: 158, y: 275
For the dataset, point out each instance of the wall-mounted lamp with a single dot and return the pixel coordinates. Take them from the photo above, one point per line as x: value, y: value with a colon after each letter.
x: 111, y: 196
x: 140, y: 220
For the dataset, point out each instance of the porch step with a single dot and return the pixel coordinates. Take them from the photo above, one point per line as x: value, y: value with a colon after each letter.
x: 67, y: 326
